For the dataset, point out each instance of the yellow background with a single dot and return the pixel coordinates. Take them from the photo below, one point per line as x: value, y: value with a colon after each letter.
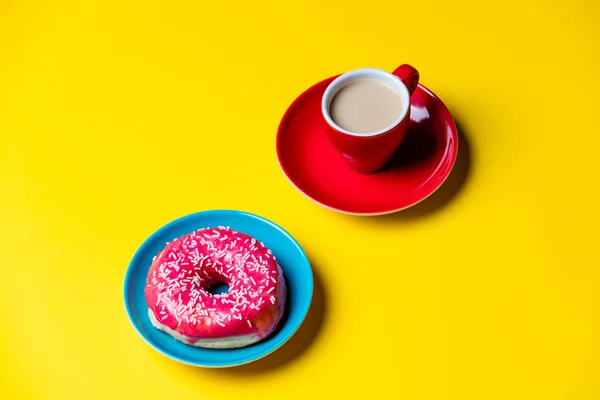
x: 111, y: 111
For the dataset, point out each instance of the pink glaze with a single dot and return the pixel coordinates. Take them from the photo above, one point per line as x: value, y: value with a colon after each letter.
x: 178, y: 279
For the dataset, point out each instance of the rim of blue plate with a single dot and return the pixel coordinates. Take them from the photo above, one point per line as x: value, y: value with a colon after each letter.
x: 294, y: 315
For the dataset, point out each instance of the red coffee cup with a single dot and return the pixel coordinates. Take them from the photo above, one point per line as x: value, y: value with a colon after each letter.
x: 369, y: 152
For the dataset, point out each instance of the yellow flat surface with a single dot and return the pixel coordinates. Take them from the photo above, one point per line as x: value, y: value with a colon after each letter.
x: 488, y: 290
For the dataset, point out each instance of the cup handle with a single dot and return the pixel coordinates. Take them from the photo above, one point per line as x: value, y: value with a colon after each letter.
x: 409, y: 76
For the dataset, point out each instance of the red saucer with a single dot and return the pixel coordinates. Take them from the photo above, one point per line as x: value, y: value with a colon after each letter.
x: 315, y: 168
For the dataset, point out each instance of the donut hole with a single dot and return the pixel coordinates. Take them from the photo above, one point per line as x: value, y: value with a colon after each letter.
x: 218, y: 288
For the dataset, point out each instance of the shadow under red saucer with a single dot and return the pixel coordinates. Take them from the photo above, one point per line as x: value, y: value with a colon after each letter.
x: 421, y: 164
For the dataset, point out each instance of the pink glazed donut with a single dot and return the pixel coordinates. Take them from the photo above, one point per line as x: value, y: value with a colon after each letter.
x: 179, y: 279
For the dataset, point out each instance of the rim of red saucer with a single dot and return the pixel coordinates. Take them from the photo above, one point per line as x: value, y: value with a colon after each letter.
x: 287, y: 174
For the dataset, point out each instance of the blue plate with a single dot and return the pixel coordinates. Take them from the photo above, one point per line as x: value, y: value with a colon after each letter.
x: 294, y: 263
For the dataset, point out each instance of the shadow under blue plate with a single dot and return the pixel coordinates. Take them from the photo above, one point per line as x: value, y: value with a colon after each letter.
x: 294, y: 263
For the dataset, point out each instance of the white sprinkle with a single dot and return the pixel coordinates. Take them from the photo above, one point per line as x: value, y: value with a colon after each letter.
x: 220, y: 323
x: 270, y: 290
x: 273, y: 279
x: 272, y: 299
x: 249, y: 323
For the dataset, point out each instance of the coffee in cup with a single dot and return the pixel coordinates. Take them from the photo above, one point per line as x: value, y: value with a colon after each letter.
x: 366, y: 105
